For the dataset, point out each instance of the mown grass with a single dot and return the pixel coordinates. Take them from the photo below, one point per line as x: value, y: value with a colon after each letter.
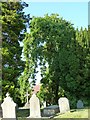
x: 22, y: 114
x: 76, y: 113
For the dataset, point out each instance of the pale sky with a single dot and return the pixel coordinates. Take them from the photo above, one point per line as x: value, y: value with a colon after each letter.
x: 75, y: 12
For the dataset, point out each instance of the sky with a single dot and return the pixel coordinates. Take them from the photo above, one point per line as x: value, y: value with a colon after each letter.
x: 75, y: 12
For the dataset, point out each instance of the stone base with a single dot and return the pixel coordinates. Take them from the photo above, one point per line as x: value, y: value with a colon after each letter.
x: 34, y: 117
x: 50, y: 110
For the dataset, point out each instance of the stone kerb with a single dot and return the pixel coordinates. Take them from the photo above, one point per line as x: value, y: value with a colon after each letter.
x: 50, y: 110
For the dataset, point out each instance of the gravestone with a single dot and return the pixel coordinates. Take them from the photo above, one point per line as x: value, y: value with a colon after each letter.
x: 27, y: 95
x: 50, y: 110
x: 44, y: 104
x: 63, y: 105
x: 8, y: 107
x: 80, y: 104
x: 27, y: 105
x: 34, y: 107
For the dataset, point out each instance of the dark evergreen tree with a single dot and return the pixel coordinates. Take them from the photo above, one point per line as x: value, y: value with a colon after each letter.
x: 14, y: 23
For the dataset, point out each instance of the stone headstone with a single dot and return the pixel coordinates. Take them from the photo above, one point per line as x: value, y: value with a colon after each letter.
x: 27, y: 104
x: 34, y: 107
x: 50, y: 110
x: 8, y: 107
x: 63, y: 105
x: 44, y: 104
x: 80, y: 104
x: 27, y: 95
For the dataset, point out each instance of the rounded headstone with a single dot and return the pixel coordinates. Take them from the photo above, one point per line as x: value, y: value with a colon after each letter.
x: 80, y: 104
x: 8, y: 107
x: 63, y: 105
x: 34, y: 107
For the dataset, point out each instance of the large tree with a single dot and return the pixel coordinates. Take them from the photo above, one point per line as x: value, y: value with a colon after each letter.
x: 63, y: 55
x: 14, y: 23
x: 50, y: 42
x: 83, y: 55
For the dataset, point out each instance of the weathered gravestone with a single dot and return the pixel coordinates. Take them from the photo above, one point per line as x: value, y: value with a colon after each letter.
x: 80, y: 104
x: 34, y: 107
x: 27, y: 105
x: 44, y: 104
x: 50, y: 110
x: 27, y: 95
x: 63, y: 105
x: 8, y: 107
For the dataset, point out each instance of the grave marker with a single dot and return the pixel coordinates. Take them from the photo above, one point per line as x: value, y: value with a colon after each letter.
x: 80, y: 104
x: 8, y: 107
x: 50, y: 110
x: 34, y: 107
x: 27, y: 96
x: 63, y: 105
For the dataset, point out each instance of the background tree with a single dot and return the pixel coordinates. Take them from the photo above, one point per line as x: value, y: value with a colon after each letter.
x: 14, y: 23
x: 50, y: 39
x: 63, y: 56
x: 83, y: 54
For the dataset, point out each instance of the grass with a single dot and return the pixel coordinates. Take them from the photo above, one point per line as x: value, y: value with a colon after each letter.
x: 76, y: 113
x: 22, y: 114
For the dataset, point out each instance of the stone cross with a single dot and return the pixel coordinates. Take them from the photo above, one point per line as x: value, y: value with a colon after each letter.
x: 27, y: 96
x: 7, y: 95
x: 44, y: 104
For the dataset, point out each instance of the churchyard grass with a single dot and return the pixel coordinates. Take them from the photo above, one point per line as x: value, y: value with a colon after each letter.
x: 75, y: 113
x: 23, y: 113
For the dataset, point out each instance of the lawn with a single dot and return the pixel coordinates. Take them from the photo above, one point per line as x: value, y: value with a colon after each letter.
x: 75, y: 113
x: 23, y: 113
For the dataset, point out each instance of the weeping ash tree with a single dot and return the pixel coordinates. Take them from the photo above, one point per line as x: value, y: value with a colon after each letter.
x: 55, y: 46
x: 49, y: 42
x: 14, y: 23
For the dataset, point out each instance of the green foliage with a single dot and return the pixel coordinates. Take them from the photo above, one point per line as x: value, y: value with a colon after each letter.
x: 63, y: 56
x: 24, y: 86
x: 48, y: 36
x: 14, y: 24
x: 83, y: 54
